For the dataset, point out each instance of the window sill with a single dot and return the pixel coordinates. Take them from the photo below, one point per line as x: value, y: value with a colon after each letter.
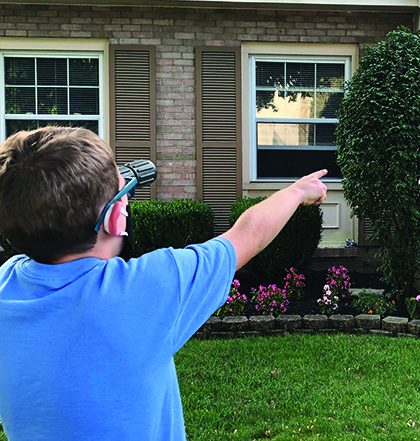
x: 279, y: 185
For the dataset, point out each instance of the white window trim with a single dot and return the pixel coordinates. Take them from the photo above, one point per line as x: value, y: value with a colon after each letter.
x: 276, y: 50
x: 252, y: 105
x: 55, y: 54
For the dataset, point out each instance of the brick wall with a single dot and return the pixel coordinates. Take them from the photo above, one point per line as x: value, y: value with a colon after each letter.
x: 176, y: 32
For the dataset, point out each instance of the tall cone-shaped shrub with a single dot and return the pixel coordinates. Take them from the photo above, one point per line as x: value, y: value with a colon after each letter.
x: 378, y: 143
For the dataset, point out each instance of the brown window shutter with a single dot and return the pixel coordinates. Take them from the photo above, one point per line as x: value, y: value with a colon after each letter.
x: 219, y: 167
x: 133, y: 107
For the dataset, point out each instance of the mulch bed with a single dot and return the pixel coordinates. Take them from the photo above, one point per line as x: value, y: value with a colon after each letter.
x: 314, y: 283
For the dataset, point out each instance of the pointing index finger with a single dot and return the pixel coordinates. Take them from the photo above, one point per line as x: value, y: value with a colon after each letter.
x: 320, y: 173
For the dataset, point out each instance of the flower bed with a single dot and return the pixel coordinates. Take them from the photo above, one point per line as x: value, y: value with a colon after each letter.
x: 330, y: 301
x: 307, y: 294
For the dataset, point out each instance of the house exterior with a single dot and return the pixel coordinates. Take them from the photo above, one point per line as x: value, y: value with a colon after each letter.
x: 230, y: 98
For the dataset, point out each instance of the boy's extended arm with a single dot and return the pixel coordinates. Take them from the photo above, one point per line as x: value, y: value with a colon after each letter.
x: 261, y: 223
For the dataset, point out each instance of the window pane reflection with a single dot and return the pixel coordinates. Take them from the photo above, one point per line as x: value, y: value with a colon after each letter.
x: 300, y: 75
x: 269, y: 74
x: 84, y: 71
x: 327, y: 104
x: 299, y: 105
x: 285, y: 134
x: 330, y: 76
x: 20, y: 100
x: 52, y: 101
x: 278, y: 134
x: 84, y: 101
x: 19, y: 71
x: 51, y: 71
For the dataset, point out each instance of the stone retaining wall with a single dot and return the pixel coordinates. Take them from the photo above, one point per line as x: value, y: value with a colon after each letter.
x: 239, y: 327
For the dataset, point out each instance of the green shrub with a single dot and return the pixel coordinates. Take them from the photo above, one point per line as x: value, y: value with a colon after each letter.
x: 293, y: 246
x: 413, y: 306
x: 378, y: 143
x: 178, y: 223
x: 373, y: 303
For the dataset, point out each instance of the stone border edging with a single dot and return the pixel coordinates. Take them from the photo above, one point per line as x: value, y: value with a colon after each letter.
x: 267, y: 325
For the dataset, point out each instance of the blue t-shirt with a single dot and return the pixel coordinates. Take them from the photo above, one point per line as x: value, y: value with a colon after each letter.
x: 86, y: 347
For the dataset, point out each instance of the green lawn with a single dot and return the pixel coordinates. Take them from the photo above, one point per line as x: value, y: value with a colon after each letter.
x: 322, y: 387
x: 301, y: 387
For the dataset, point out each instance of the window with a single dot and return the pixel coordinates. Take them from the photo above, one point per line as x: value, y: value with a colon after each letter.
x: 294, y: 102
x: 51, y: 89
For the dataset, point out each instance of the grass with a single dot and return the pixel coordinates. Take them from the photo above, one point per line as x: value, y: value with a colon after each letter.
x: 301, y: 387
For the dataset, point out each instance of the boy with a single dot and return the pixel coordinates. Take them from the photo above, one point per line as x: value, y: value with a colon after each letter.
x: 87, y: 340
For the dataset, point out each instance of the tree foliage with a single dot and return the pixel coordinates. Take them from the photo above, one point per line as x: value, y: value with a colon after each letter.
x: 378, y: 143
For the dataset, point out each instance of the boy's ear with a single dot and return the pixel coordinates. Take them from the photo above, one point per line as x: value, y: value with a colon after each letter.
x: 111, y: 219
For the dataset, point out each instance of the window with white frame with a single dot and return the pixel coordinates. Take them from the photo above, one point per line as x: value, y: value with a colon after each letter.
x: 50, y: 88
x: 294, y: 103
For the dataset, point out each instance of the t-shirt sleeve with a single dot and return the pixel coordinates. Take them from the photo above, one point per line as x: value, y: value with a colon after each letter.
x: 205, y: 274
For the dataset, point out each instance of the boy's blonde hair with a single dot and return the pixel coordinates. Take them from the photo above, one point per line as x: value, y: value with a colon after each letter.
x: 54, y: 181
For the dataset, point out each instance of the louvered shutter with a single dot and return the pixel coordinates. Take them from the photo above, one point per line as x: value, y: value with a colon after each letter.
x: 365, y: 230
x: 133, y: 107
x: 218, y: 130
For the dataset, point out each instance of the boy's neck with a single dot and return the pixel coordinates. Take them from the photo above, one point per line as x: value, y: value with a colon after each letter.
x: 106, y: 248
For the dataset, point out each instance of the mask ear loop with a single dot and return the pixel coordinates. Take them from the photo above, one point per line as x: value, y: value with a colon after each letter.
x: 111, y: 219
x: 118, y: 196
